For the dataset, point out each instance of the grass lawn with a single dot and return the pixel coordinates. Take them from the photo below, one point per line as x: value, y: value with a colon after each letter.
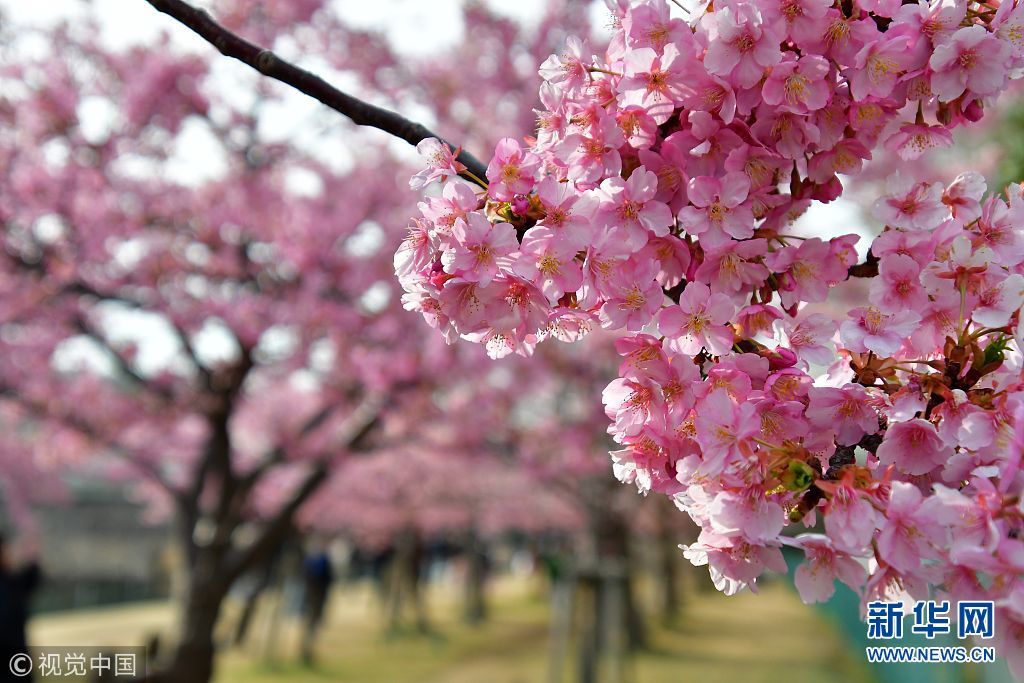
x: 769, y: 637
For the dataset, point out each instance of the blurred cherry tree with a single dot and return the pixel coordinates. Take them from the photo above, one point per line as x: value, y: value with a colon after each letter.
x: 198, y: 291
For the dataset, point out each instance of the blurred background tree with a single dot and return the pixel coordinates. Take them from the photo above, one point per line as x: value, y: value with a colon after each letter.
x: 222, y: 333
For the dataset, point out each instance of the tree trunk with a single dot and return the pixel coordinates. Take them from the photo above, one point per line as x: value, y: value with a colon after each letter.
x: 192, y: 661
x: 476, y: 580
x: 610, y: 624
x: 612, y: 544
x: 668, y: 558
x: 262, y: 583
x: 404, y: 583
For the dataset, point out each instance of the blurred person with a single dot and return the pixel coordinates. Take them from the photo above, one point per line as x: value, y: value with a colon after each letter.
x: 318, y: 574
x: 18, y: 580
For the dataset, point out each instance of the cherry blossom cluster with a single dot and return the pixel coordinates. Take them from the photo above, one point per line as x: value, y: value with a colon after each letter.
x: 657, y: 200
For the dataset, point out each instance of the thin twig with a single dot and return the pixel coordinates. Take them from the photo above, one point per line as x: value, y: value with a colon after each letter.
x: 269, y: 64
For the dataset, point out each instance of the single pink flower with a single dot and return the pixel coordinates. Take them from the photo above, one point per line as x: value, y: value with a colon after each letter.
x: 733, y: 564
x: 846, y: 411
x: 912, y: 140
x: 718, y: 208
x: 998, y: 300
x: 913, y: 447
x: 748, y: 514
x: 850, y: 519
x: 548, y: 263
x: 481, y: 248
x: 569, y: 69
x: 633, y: 297
x: 871, y: 330
x: 898, y: 285
x: 847, y: 157
x: 511, y: 170
x: 699, y: 321
x: 740, y: 44
x: 823, y: 564
x: 734, y: 266
x: 653, y: 81
x: 805, y: 272
x: 972, y: 59
x: 803, y: 21
x: 569, y: 226
x: 906, y: 537
x: 632, y: 404
x: 724, y: 429
x: 628, y: 209
x: 963, y: 196
x: 441, y: 163
x: 593, y: 155
x: 877, y: 67
x: 456, y: 200
x: 799, y: 85
x: 810, y: 338
x: 915, y: 206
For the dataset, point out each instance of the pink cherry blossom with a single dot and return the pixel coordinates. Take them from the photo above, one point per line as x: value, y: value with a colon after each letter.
x: 634, y: 297
x: 907, y: 537
x: 629, y: 210
x: 871, y: 330
x: 561, y: 215
x: 548, y: 263
x: 898, y: 286
x: 653, y: 81
x: 850, y: 519
x: 913, y: 447
x: 810, y: 337
x: 569, y: 69
x: 441, y: 163
x: 485, y: 247
x: 915, y: 206
x: 511, y: 170
x: 799, y: 85
x: 847, y: 411
x: 699, y: 321
x: 815, y: 578
x: 747, y: 514
x: 740, y: 45
x: 877, y: 68
x: 973, y: 60
x: 718, y: 208
x: 734, y: 266
x: 912, y: 140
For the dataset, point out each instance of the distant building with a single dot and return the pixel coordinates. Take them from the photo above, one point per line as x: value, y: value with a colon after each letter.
x: 99, y: 550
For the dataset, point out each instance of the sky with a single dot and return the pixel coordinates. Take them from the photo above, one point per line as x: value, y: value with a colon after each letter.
x: 415, y: 26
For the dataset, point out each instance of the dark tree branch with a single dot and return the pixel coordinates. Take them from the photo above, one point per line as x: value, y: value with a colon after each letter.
x: 122, y: 363
x: 357, y: 427
x: 278, y: 454
x: 869, y: 268
x: 267, y: 63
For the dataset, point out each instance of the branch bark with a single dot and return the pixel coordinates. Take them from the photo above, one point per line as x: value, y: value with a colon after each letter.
x: 270, y: 65
x: 868, y: 268
x: 357, y: 426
